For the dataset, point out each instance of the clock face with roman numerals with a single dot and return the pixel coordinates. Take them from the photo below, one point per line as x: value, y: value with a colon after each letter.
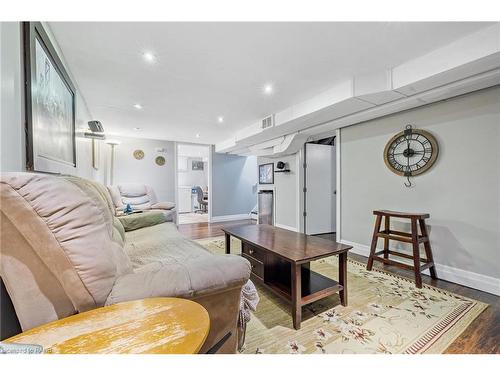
x: 411, y: 152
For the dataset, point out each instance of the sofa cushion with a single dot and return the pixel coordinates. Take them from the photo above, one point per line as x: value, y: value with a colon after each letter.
x: 194, y: 277
x: 118, y: 231
x: 170, y: 215
x: 163, y: 205
x: 141, y: 220
x: 78, y: 219
x: 166, y: 263
x: 136, y: 201
x: 132, y: 190
x: 116, y: 197
x: 160, y: 243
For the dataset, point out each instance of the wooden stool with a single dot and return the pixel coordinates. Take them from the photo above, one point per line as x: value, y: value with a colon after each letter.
x: 414, y: 238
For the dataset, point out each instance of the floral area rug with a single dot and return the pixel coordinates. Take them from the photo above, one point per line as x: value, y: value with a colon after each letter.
x: 386, y: 314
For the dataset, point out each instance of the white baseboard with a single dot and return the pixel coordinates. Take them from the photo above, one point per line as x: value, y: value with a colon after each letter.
x: 216, y: 219
x: 455, y: 275
x: 357, y: 248
x: 282, y: 226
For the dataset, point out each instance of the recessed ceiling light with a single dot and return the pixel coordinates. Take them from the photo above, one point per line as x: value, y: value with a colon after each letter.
x: 137, y: 106
x: 137, y: 128
x: 220, y: 119
x: 268, y: 89
x: 149, y: 57
x: 197, y: 135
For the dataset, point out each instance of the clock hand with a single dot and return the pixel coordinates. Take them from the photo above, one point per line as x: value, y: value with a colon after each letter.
x: 415, y: 152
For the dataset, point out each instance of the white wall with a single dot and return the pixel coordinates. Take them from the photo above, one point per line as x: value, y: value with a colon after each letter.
x: 11, y: 117
x: 286, y: 192
x: 461, y: 192
x: 12, y: 103
x: 193, y: 178
x: 130, y: 170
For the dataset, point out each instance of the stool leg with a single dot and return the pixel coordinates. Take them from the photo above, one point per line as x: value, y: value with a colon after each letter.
x: 386, y: 240
x: 427, y: 246
x: 416, y: 253
x: 373, y: 247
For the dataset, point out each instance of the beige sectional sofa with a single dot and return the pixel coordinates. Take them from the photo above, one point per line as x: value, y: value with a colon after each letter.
x: 140, y: 197
x: 63, y: 251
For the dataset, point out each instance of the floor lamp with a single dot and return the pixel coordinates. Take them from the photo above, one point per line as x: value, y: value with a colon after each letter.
x: 112, y: 143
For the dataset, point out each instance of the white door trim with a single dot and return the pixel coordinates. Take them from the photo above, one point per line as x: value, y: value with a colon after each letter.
x: 176, y: 192
x: 210, y: 153
x: 338, y: 184
x: 210, y: 150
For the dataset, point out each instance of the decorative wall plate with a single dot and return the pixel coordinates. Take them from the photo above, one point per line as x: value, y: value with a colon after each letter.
x: 160, y: 160
x: 138, y: 154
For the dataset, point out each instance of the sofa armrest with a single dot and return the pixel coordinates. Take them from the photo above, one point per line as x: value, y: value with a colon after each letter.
x: 192, y: 278
x: 163, y: 206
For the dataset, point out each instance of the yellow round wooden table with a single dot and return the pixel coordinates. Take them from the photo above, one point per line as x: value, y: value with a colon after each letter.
x: 153, y: 325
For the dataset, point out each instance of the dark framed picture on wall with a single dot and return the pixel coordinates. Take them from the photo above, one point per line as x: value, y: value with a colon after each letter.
x: 197, y: 165
x: 266, y: 173
x: 49, y: 105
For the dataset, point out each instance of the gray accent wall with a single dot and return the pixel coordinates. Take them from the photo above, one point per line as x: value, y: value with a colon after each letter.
x: 461, y: 192
x: 234, y: 184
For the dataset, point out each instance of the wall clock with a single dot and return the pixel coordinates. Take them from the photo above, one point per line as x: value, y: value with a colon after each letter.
x: 411, y: 152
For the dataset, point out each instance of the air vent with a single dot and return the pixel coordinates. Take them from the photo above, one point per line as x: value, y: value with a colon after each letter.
x: 268, y: 122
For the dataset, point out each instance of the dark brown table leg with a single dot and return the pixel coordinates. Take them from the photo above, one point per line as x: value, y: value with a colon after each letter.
x: 416, y: 253
x: 373, y: 247
x: 228, y: 243
x: 427, y: 246
x: 386, y: 240
x: 296, y: 287
x: 343, y: 277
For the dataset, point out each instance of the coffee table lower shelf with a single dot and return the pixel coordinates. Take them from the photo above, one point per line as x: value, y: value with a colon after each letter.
x: 314, y: 287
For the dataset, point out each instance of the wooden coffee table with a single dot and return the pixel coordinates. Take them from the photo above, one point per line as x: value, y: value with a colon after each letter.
x: 152, y: 325
x: 281, y: 259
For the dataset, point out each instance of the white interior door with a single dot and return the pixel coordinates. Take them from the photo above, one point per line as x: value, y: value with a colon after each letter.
x: 320, y: 182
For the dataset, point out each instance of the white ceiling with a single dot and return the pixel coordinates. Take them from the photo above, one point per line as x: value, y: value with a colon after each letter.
x: 206, y: 70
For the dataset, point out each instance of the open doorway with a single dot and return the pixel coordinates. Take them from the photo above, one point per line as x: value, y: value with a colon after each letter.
x: 192, y: 183
x: 320, y: 204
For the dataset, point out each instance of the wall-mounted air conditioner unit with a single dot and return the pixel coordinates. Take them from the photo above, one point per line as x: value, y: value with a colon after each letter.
x: 267, y: 122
